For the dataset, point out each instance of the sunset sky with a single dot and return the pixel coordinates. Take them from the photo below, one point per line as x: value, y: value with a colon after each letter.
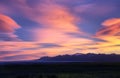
x: 30, y: 29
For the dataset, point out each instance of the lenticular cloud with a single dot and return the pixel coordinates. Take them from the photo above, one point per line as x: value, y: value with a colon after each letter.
x: 7, y: 28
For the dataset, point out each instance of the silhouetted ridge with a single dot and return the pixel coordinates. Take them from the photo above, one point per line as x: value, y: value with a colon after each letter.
x: 83, y: 58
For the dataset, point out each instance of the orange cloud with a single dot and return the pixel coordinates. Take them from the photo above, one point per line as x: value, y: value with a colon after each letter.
x: 111, y: 27
x: 111, y: 22
x: 7, y: 24
x: 110, y: 34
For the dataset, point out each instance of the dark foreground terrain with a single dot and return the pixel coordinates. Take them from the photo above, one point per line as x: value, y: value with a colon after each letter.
x: 60, y: 70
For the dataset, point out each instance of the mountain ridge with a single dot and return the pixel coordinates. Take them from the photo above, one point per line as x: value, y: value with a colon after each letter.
x: 90, y: 57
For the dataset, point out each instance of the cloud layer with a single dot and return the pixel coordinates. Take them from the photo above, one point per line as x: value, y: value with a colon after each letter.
x: 58, y: 27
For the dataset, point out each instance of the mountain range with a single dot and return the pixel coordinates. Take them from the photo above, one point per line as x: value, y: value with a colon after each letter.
x: 90, y: 57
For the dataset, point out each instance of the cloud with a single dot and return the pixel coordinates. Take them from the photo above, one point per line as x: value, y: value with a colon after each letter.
x: 56, y: 21
x: 18, y: 57
x: 51, y: 36
x: 7, y: 28
x: 96, y: 8
x: 2, y: 53
x: 110, y: 34
x: 111, y: 27
x: 111, y: 22
x: 58, y: 17
x: 17, y: 46
x: 59, y: 30
x: 23, y: 57
x: 49, y: 45
x: 7, y: 25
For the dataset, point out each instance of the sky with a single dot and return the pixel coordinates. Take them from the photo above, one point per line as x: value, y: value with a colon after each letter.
x: 31, y: 29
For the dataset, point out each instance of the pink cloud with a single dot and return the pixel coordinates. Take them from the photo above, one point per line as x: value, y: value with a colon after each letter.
x: 7, y: 28
x: 56, y: 21
x: 111, y: 27
x: 7, y: 24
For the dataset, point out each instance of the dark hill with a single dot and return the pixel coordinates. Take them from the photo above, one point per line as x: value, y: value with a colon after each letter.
x: 83, y: 58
